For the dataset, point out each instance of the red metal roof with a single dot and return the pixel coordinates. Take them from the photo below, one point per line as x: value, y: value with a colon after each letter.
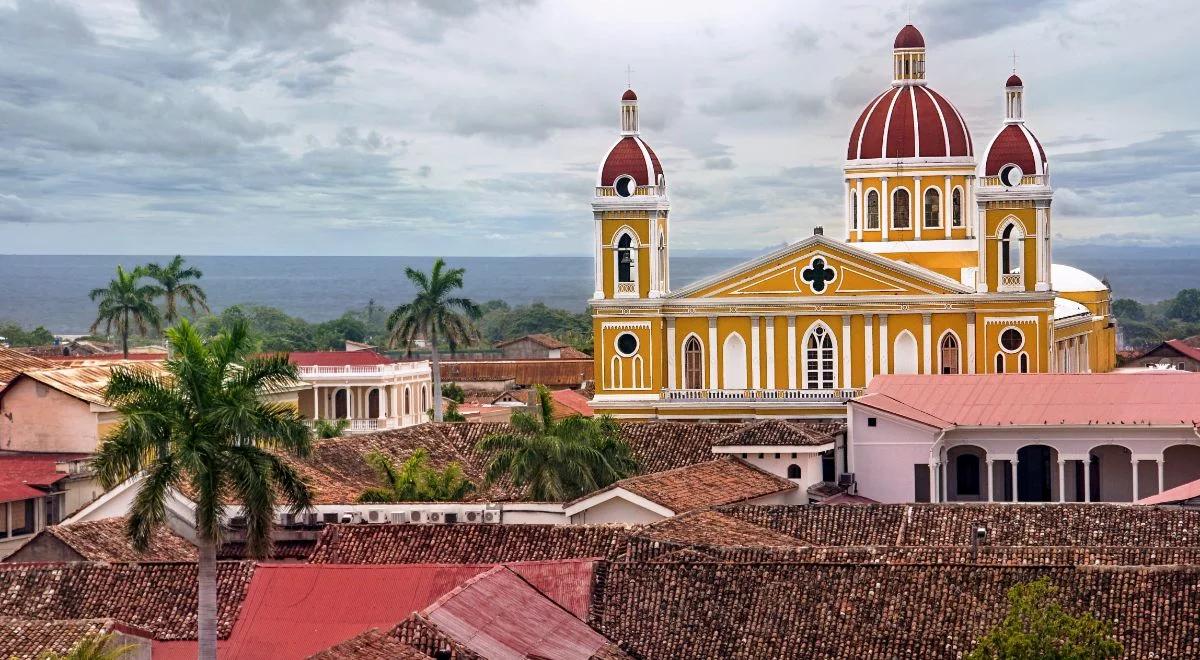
x: 499, y: 615
x: 909, y: 37
x: 572, y: 402
x: 1012, y: 145
x: 1159, y: 399
x: 22, y: 474
x: 626, y: 157
x: 909, y: 121
x: 337, y: 358
x: 1188, y: 491
x: 296, y: 610
x: 1184, y: 348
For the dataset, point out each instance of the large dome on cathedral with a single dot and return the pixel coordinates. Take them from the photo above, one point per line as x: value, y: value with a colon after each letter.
x: 909, y: 120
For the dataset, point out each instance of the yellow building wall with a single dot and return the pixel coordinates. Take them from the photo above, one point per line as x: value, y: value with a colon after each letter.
x: 639, y: 223
x: 993, y: 218
x: 874, y: 180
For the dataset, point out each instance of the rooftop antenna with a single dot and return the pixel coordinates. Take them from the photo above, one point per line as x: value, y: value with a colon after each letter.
x: 628, y: 76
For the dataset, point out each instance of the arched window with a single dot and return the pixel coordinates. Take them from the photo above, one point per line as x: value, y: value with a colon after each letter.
x: 1010, y: 249
x: 900, y: 209
x: 873, y: 209
x: 1023, y: 361
x: 819, y: 359
x: 793, y: 471
x: 424, y: 398
x: 967, y: 474
x: 956, y: 207
x: 693, y: 364
x: 906, y: 353
x: 373, y: 404
x: 733, y: 358
x: 999, y: 363
x: 854, y: 209
x: 341, y: 404
x: 407, y: 401
x: 949, y: 354
x: 625, y: 263
x: 933, y: 208
x: 662, y: 261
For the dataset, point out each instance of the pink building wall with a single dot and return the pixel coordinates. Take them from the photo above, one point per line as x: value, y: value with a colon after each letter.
x: 34, y: 417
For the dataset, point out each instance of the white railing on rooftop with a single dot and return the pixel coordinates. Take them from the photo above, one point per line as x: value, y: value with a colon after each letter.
x: 366, y: 369
x: 831, y: 395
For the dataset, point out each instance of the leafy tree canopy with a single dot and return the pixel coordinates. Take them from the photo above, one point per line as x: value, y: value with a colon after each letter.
x: 415, y: 480
x: 14, y: 335
x: 1037, y: 628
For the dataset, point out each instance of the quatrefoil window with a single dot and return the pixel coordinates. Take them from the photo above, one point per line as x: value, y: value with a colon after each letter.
x: 818, y: 274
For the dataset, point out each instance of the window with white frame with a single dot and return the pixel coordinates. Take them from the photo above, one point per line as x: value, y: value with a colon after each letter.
x: 819, y: 359
x: 872, y: 209
x: 933, y: 208
x: 900, y: 209
x: 949, y: 354
x: 956, y: 208
x: 693, y: 364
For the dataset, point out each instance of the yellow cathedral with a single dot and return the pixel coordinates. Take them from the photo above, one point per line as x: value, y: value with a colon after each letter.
x: 945, y: 267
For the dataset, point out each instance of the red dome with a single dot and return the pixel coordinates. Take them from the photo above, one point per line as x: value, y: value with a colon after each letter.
x: 630, y: 155
x: 1014, y: 81
x: 629, y: 95
x: 909, y: 37
x: 909, y: 121
x: 1017, y: 145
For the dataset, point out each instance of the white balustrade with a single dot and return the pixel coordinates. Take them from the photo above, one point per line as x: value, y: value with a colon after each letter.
x: 1012, y: 282
x: 838, y: 394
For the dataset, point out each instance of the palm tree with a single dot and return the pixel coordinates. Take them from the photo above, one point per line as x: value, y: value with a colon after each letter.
x: 330, y: 428
x: 206, y: 427
x: 125, y: 301
x: 557, y: 460
x: 415, y: 480
x: 434, y: 314
x: 175, y: 282
x: 93, y: 647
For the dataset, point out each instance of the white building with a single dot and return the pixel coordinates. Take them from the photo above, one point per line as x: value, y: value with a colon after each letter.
x: 368, y: 389
x: 1116, y: 437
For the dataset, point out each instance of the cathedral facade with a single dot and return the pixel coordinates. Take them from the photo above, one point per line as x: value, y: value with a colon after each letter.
x: 944, y: 267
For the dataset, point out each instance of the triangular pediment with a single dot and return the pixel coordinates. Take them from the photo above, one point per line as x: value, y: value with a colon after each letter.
x: 822, y: 267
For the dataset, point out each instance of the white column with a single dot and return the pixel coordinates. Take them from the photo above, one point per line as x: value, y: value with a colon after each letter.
x: 316, y: 403
x: 846, y: 210
x: 755, y: 371
x: 971, y: 220
x: 847, y: 376
x: 652, y: 291
x: 670, y: 352
x: 947, y: 195
x: 1012, y: 466
x: 868, y: 348
x: 598, y: 258
x: 917, y: 207
x: 770, y: 352
x: 1087, y: 479
x: 861, y: 214
x: 1134, y: 461
x: 1043, y: 277
x: 791, y: 344
x: 713, y: 382
x: 1062, y: 482
x: 933, y: 481
x: 884, y: 201
x: 971, y: 343
x: 1161, y: 460
x: 394, y: 402
x: 883, y: 345
x: 927, y: 343
x: 991, y: 481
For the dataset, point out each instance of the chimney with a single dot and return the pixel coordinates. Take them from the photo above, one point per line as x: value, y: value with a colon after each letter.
x: 818, y: 231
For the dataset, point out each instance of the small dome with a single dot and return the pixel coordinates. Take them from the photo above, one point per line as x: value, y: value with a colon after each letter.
x: 1014, y: 144
x: 909, y: 37
x: 1014, y: 81
x: 1068, y: 279
x: 909, y: 121
x: 632, y: 156
x: 629, y: 95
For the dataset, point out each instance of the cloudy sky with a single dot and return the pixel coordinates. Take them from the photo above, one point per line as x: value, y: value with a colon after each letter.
x: 465, y: 127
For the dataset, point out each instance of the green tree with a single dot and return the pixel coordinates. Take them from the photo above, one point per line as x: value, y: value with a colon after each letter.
x: 1185, y: 306
x: 93, y: 647
x: 435, y: 314
x: 454, y: 392
x: 330, y: 428
x: 1037, y: 628
x: 205, y: 426
x: 1128, y: 309
x: 14, y: 335
x: 557, y: 460
x: 451, y: 414
x: 177, y: 283
x: 415, y: 480
x: 126, y: 301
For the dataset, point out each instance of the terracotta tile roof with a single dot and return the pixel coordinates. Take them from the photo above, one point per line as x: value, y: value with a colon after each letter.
x: 551, y: 372
x: 30, y: 639
x: 712, y: 528
x: 281, y: 550
x: 101, y: 359
x: 722, y: 481
x: 105, y: 540
x: 373, y: 644
x: 762, y: 610
x: 1166, y: 399
x: 666, y: 445
x: 14, y: 362
x: 543, y: 340
x: 158, y: 598
x: 337, y: 358
x: 464, y: 543
x: 778, y: 432
x: 26, y: 475
x: 571, y: 402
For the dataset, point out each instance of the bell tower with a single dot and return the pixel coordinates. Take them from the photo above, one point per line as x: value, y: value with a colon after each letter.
x: 630, y: 209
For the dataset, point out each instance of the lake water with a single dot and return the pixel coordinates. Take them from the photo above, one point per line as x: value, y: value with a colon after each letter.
x: 52, y: 290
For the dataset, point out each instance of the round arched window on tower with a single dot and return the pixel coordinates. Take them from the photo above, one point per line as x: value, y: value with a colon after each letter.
x: 624, y: 185
x: 1010, y: 175
x: 1011, y: 339
x: 627, y: 344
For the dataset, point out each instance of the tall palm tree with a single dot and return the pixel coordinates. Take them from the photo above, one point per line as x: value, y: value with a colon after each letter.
x: 434, y: 314
x: 177, y: 282
x: 205, y: 426
x: 126, y: 301
x: 557, y: 460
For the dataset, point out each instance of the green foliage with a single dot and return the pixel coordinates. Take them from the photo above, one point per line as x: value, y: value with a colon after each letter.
x: 500, y: 322
x: 330, y: 428
x: 126, y: 304
x: 450, y: 414
x: 206, y: 427
x: 558, y: 460
x: 1185, y: 306
x: 454, y: 392
x: 176, y: 284
x: 1128, y: 309
x: 1037, y: 628
x: 1145, y: 326
x: 93, y: 647
x: 14, y: 335
x: 416, y: 481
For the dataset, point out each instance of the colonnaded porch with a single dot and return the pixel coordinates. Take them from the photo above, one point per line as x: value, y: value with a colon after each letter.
x: 371, y: 397
x: 1106, y: 472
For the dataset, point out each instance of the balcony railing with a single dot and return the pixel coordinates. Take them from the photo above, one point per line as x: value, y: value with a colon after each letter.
x: 365, y: 369
x: 1012, y: 282
x: 830, y: 395
x: 1027, y: 180
x: 639, y: 191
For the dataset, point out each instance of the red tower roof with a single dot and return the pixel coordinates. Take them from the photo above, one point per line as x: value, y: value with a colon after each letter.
x: 1014, y: 81
x: 1017, y: 145
x: 629, y: 95
x: 910, y: 37
x: 631, y: 155
x: 909, y: 121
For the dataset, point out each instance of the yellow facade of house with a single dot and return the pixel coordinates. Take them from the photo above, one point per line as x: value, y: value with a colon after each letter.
x: 945, y: 267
